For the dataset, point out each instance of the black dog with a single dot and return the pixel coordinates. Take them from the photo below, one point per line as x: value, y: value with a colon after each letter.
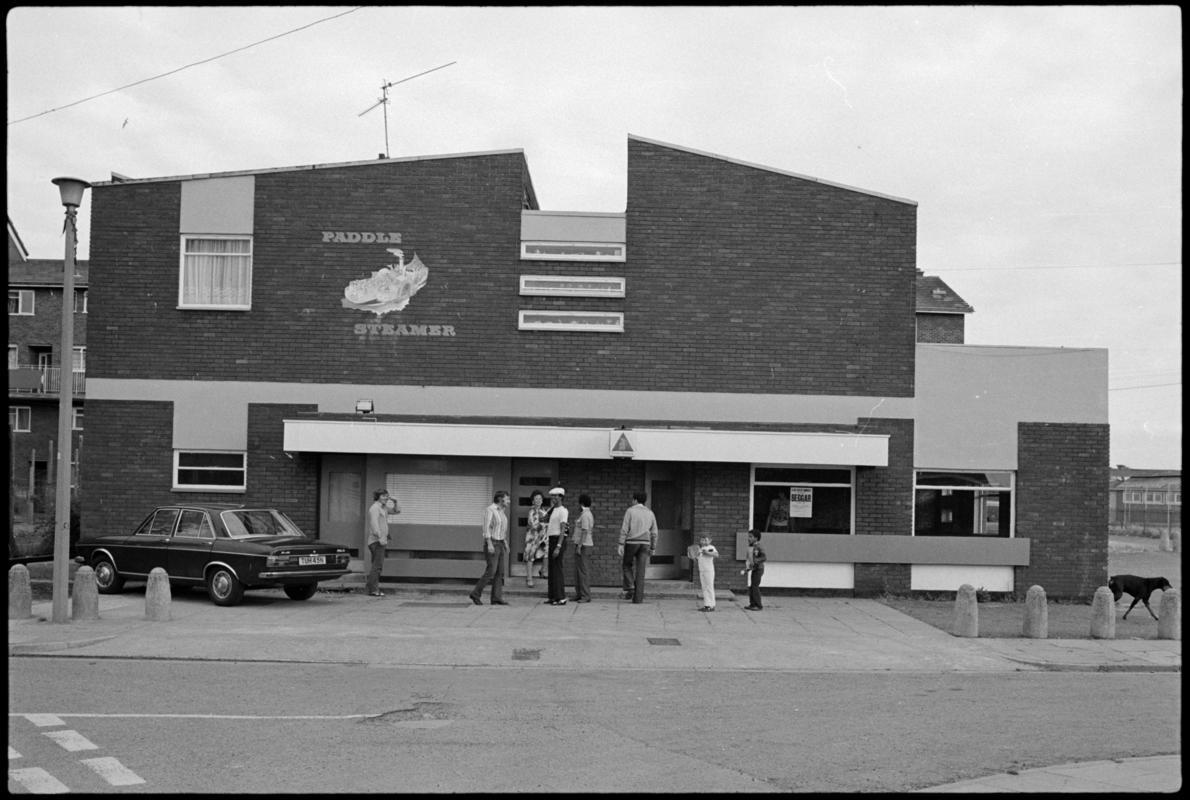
x: 1138, y: 588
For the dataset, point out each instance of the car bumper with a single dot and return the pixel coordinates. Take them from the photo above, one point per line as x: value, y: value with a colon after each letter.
x: 302, y: 575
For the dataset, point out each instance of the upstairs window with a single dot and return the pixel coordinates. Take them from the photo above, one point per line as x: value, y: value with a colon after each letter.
x: 80, y: 302
x: 584, y: 321
x: 571, y: 286
x: 216, y: 272
x: 20, y: 301
x: 572, y: 251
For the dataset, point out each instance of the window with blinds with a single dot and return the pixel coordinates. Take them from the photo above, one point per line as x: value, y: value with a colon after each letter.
x: 439, y: 499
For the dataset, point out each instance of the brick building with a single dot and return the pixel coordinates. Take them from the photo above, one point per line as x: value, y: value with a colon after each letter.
x: 742, y: 343
x: 35, y: 373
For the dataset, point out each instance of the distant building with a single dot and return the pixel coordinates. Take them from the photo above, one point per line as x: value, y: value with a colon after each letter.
x: 750, y: 347
x: 35, y: 372
x: 1145, y: 499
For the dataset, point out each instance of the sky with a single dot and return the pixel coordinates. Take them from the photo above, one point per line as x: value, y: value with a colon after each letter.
x: 1043, y: 145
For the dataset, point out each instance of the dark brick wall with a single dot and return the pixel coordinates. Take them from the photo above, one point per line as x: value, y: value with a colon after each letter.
x: 288, y: 482
x: 610, y: 484
x: 739, y: 280
x: 720, y: 511
x: 127, y: 464
x: 877, y: 579
x: 941, y: 328
x: 754, y: 281
x: 136, y: 329
x: 884, y: 495
x: 1062, y: 507
x: 44, y: 326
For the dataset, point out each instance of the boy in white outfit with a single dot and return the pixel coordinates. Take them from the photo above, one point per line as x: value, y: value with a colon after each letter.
x: 706, y: 572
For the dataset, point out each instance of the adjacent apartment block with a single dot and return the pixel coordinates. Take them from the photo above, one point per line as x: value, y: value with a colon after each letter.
x: 36, y: 368
x: 749, y: 346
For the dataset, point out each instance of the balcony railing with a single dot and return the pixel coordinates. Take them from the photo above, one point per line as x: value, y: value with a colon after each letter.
x: 43, y: 381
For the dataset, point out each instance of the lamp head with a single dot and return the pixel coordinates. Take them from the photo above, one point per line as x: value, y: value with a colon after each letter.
x: 71, y: 190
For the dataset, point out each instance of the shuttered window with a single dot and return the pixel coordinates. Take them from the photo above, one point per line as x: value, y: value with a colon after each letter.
x: 439, y: 499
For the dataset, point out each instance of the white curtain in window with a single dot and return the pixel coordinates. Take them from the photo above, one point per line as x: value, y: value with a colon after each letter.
x: 217, y: 272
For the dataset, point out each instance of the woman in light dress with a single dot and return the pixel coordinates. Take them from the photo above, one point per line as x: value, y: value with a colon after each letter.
x: 535, y: 540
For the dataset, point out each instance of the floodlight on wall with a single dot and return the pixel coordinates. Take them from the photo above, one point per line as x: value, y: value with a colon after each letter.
x: 363, y: 406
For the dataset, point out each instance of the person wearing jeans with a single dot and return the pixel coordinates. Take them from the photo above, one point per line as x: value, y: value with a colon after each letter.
x: 584, y: 543
x: 378, y: 538
x: 638, y: 541
x: 495, y: 550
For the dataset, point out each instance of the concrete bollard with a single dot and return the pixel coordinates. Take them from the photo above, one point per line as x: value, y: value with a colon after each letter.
x: 966, y: 612
x: 1169, y: 624
x: 20, y: 593
x: 84, y: 600
x: 157, y: 596
x: 1103, y: 614
x: 1165, y: 546
x: 1036, y: 614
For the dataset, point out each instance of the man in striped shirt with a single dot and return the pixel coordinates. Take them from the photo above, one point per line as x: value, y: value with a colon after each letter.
x: 495, y: 550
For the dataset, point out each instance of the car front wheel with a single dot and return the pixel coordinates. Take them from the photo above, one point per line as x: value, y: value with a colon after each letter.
x: 301, y: 591
x: 107, y: 579
x: 223, y: 587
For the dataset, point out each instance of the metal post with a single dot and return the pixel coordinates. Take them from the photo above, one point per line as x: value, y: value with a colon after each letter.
x: 72, y: 191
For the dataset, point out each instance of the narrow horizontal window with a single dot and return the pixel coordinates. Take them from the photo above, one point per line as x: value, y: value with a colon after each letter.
x: 584, y: 321
x: 210, y: 470
x: 216, y: 272
x: 572, y: 251
x: 571, y: 286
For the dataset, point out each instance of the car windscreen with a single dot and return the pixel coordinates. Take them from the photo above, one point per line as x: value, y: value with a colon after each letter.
x: 245, y: 523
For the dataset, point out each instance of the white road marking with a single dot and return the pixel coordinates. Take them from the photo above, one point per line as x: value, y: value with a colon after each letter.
x: 12, y: 753
x: 38, y: 781
x: 112, y: 771
x: 44, y: 720
x: 71, y: 740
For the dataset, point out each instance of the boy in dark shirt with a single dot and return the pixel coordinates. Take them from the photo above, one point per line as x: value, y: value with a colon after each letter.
x: 754, y: 564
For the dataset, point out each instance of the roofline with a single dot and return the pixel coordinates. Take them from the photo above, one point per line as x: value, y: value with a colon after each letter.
x: 773, y: 169
x: 12, y: 233
x: 372, y: 162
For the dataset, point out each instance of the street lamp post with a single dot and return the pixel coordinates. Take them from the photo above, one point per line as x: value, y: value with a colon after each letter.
x: 71, y: 190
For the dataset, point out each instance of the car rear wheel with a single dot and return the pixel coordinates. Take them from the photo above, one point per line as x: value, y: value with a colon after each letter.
x: 107, y: 579
x: 223, y: 587
x: 301, y: 591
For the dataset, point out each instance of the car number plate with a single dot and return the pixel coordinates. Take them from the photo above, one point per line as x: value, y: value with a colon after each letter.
x: 307, y: 560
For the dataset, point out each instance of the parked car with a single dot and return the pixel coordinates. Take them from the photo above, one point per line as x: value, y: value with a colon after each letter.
x: 223, y: 547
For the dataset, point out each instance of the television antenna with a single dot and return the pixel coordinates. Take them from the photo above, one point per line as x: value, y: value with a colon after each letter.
x: 383, y: 101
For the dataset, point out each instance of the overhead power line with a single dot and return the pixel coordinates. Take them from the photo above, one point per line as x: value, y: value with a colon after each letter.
x: 188, y: 66
x: 1149, y: 386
